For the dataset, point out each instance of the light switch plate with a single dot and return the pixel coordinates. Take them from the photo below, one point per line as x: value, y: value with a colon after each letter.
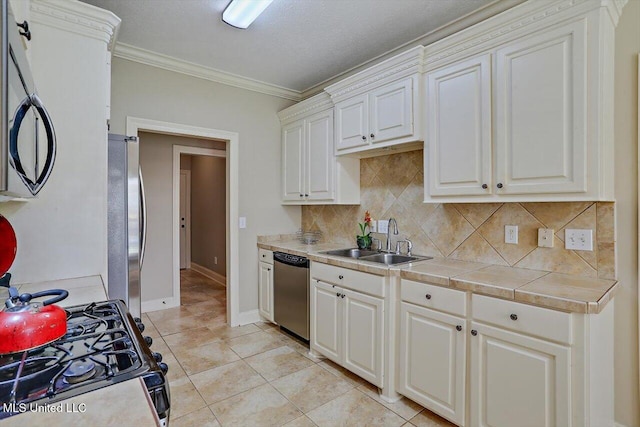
x: 383, y: 225
x: 545, y: 237
x: 511, y: 234
x: 242, y: 222
x: 578, y: 240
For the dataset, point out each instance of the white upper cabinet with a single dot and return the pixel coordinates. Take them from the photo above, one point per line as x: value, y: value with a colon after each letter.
x: 519, y: 107
x: 459, y: 128
x: 541, y: 135
x: 380, y: 106
x: 311, y: 173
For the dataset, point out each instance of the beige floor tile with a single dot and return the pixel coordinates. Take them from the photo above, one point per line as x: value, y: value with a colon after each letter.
x: 404, y: 407
x: 225, y: 381
x: 354, y: 409
x: 208, y: 356
x: 250, y: 344
x: 427, y: 418
x: 278, y: 362
x: 200, y: 418
x: 175, y: 370
x: 184, y: 398
x: 311, y: 387
x: 303, y: 421
x: 342, y: 373
x: 226, y: 332
x: 266, y: 325
x: 170, y: 326
x: 261, y: 406
x: 168, y: 314
x: 191, y: 337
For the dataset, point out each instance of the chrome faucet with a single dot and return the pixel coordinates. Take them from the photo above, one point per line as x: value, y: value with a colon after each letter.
x: 395, y: 231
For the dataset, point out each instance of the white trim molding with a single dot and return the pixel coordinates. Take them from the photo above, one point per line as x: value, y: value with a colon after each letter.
x: 133, y: 127
x: 216, y: 277
x: 165, y: 62
x: 159, y: 304
x: 77, y: 17
x: 251, y: 316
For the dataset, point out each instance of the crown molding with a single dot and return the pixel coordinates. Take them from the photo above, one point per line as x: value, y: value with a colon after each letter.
x: 165, y: 62
x: 319, y: 102
x: 77, y: 17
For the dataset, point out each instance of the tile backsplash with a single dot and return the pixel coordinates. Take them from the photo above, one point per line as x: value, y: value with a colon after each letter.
x: 392, y: 186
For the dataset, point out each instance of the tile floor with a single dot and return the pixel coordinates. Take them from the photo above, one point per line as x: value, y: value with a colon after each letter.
x: 256, y: 375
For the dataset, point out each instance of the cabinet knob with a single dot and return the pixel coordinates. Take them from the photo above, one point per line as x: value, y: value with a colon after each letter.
x: 458, y: 328
x: 499, y: 185
x: 343, y: 295
x: 301, y: 195
x: 372, y: 136
x: 341, y: 277
x: 268, y: 269
x: 514, y: 317
x: 338, y: 294
x: 428, y: 296
x: 306, y: 195
x: 485, y: 186
x: 364, y: 137
x: 474, y: 332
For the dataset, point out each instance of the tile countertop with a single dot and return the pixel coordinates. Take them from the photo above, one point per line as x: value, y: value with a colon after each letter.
x: 103, y: 407
x: 82, y: 290
x: 551, y: 290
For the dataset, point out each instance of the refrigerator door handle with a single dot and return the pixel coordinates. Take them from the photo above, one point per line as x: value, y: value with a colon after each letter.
x: 143, y: 217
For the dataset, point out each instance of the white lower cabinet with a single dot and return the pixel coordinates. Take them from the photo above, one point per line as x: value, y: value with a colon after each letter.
x: 518, y: 380
x: 347, y: 327
x: 433, y: 360
x: 265, y: 284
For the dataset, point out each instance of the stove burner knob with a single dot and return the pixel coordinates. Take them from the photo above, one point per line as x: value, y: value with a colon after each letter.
x: 163, y: 367
x: 140, y: 326
x: 157, y: 357
x: 148, y: 340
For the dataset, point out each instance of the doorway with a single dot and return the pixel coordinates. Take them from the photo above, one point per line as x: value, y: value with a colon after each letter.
x: 136, y: 125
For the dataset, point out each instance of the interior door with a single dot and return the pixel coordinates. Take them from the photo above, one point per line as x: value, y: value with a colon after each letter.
x: 183, y: 220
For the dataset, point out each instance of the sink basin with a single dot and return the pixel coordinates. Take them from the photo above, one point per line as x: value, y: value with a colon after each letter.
x: 375, y: 256
x: 392, y: 259
x: 351, y: 253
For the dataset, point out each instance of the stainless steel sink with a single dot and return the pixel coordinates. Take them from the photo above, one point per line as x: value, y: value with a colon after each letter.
x: 392, y: 259
x: 351, y: 253
x: 375, y: 256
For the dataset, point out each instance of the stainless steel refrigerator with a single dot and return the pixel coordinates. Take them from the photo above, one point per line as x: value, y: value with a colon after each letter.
x: 126, y: 221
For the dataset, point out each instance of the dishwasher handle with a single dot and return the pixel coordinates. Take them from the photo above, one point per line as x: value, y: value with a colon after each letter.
x: 292, y: 260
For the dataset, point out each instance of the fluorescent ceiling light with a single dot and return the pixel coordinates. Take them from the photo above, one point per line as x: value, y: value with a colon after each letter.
x: 241, y: 13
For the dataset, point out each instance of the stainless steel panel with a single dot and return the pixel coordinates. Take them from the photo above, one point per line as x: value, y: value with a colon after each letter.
x: 123, y: 225
x: 291, y: 298
x: 4, y: 99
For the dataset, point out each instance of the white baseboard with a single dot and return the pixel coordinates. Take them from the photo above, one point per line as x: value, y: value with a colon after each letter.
x: 159, y: 304
x: 246, y: 317
x: 616, y: 424
x: 218, y: 278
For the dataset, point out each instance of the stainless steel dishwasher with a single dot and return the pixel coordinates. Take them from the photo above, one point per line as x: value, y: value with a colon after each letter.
x: 291, y: 293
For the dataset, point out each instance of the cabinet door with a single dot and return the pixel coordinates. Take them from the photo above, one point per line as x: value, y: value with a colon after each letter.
x: 320, y: 158
x: 391, y: 109
x: 364, y: 335
x: 326, y: 320
x: 518, y: 380
x: 458, y: 124
x: 265, y: 291
x: 541, y: 113
x: 292, y: 161
x: 433, y: 361
x: 352, y: 122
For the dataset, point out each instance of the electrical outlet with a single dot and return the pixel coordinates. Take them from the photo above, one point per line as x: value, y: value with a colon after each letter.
x: 383, y: 225
x: 579, y: 240
x: 511, y: 234
x: 242, y: 222
x: 373, y: 226
x: 545, y: 237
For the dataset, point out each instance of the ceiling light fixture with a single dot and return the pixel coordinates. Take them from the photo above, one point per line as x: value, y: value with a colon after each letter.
x: 241, y: 13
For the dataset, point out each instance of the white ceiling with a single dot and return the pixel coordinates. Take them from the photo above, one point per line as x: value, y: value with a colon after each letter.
x: 295, y: 44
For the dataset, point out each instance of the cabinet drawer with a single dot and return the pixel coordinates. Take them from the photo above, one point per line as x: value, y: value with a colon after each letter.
x: 541, y: 322
x: 435, y: 297
x: 350, y: 279
x: 265, y: 256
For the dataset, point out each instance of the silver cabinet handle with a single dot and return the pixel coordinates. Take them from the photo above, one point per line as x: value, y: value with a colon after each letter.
x: 143, y: 217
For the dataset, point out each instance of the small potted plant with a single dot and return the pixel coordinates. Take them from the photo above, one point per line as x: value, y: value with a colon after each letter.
x: 364, y: 238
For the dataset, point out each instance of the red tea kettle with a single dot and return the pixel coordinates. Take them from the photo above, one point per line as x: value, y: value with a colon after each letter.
x: 25, y: 325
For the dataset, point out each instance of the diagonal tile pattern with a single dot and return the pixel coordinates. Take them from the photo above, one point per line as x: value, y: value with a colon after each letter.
x: 256, y: 375
x: 392, y: 185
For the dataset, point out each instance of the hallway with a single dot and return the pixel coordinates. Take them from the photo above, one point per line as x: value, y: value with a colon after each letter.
x: 256, y: 375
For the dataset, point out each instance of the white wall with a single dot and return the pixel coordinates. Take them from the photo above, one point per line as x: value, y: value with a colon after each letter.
x: 62, y: 233
x: 151, y: 93
x: 627, y: 403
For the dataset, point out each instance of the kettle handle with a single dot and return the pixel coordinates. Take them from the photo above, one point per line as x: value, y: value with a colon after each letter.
x: 5, y: 279
x: 59, y: 294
